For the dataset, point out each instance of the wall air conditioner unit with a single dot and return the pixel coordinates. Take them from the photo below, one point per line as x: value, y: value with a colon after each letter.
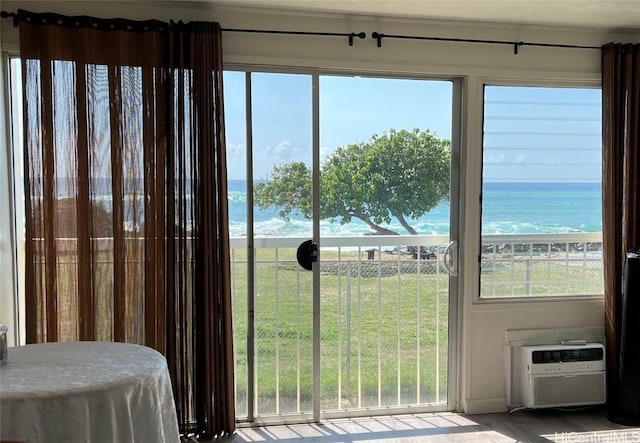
x: 562, y: 375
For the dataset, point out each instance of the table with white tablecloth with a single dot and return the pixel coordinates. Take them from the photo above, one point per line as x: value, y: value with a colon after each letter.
x: 86, y: 392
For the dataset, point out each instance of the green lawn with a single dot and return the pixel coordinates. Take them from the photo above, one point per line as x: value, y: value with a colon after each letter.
x: 380, y: 334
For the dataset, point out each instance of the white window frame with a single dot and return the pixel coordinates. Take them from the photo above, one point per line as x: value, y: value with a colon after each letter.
x: 476, y: 182
x: 12, y: 135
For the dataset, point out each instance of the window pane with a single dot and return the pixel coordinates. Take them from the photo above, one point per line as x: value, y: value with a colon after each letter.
x: 282, y: 140
x: 235, y: 133
x: 541, y: 192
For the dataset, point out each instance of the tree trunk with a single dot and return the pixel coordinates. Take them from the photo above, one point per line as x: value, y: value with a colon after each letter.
x: 406, y: 225
x: 379, y: 230
x: 415, y: 250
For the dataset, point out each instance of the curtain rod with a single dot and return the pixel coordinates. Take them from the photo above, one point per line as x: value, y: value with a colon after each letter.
x: 133, y: 25
x: 516, y: 45
x: 156, y: 24
x: 38, y: 18
x: 350, y: 35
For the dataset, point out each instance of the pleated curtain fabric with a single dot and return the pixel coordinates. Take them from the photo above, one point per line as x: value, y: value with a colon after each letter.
x: 126, y: 197
x: 620, y: 188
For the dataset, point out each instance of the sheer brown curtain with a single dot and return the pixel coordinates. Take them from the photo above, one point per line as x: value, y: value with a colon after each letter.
x: 620, y: 189
x: 126, y: 200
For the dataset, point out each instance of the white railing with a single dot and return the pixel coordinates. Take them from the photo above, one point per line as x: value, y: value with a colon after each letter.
x: 384, y: 302
x: 541, y: 265
x: 384, y: 311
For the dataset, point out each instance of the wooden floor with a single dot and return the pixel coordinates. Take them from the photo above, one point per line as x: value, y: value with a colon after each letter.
x: 585, y: 426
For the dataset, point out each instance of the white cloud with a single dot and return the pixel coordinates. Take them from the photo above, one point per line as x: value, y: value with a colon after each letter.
x: 285, y: 151
x: 282, y: 149
x: 494, y: 158
x: 236, y: 150
x: 325, y: 152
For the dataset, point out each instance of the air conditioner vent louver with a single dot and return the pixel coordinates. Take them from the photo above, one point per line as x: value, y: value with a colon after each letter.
x: 562, y: 375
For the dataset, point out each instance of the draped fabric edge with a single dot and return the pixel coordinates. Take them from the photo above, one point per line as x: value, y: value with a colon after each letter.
x: 620, y: 189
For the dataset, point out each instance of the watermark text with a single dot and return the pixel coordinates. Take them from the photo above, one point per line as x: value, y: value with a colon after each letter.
x: 621, y: 436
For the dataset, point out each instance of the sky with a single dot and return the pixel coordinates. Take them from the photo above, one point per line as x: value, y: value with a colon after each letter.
x: 352, y: 109
x: 542, y: 134
x: 530, y: 133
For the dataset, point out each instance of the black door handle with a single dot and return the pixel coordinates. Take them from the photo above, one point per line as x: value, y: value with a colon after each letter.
x: 307, y: 254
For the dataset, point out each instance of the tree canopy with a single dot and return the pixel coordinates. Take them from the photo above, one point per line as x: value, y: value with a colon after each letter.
x: 401, y: 174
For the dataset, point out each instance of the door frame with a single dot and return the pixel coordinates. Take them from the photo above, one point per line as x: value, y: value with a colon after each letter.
x: 454, y: 346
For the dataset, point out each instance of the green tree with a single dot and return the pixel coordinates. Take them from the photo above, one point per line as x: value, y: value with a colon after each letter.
x: 401, y: 174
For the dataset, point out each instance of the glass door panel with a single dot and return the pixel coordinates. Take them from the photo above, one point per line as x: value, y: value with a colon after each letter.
x: 282, y: 167
x: 237, y: 185
x: 385, y: 225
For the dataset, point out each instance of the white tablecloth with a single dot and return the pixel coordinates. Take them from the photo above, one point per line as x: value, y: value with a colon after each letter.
x: 86, y: 392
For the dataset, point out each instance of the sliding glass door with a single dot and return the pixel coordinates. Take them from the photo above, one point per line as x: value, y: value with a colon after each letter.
x: 343, y: 250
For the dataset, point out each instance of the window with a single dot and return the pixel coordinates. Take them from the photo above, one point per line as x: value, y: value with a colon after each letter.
x: 12, y: 206
x: 541, y: 192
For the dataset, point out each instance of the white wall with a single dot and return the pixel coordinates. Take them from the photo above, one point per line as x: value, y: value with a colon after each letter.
x: 483, y: 325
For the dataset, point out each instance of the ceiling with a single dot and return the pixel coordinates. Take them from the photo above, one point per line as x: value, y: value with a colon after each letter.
x: 609, y: 14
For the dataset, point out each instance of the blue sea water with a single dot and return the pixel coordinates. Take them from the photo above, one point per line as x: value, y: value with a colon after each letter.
x: 507, y: 208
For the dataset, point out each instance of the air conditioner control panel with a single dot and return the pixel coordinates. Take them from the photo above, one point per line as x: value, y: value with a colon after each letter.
x: 563, y: 359
x: 567, y: 355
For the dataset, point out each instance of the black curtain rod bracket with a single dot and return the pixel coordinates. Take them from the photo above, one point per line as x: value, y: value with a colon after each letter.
x: 5, y: 14
x: 516, y: 47
x: 360, y: 35
x: 378, y: 38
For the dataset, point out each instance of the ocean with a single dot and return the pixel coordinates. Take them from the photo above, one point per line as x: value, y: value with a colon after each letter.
x: 507, y: 208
